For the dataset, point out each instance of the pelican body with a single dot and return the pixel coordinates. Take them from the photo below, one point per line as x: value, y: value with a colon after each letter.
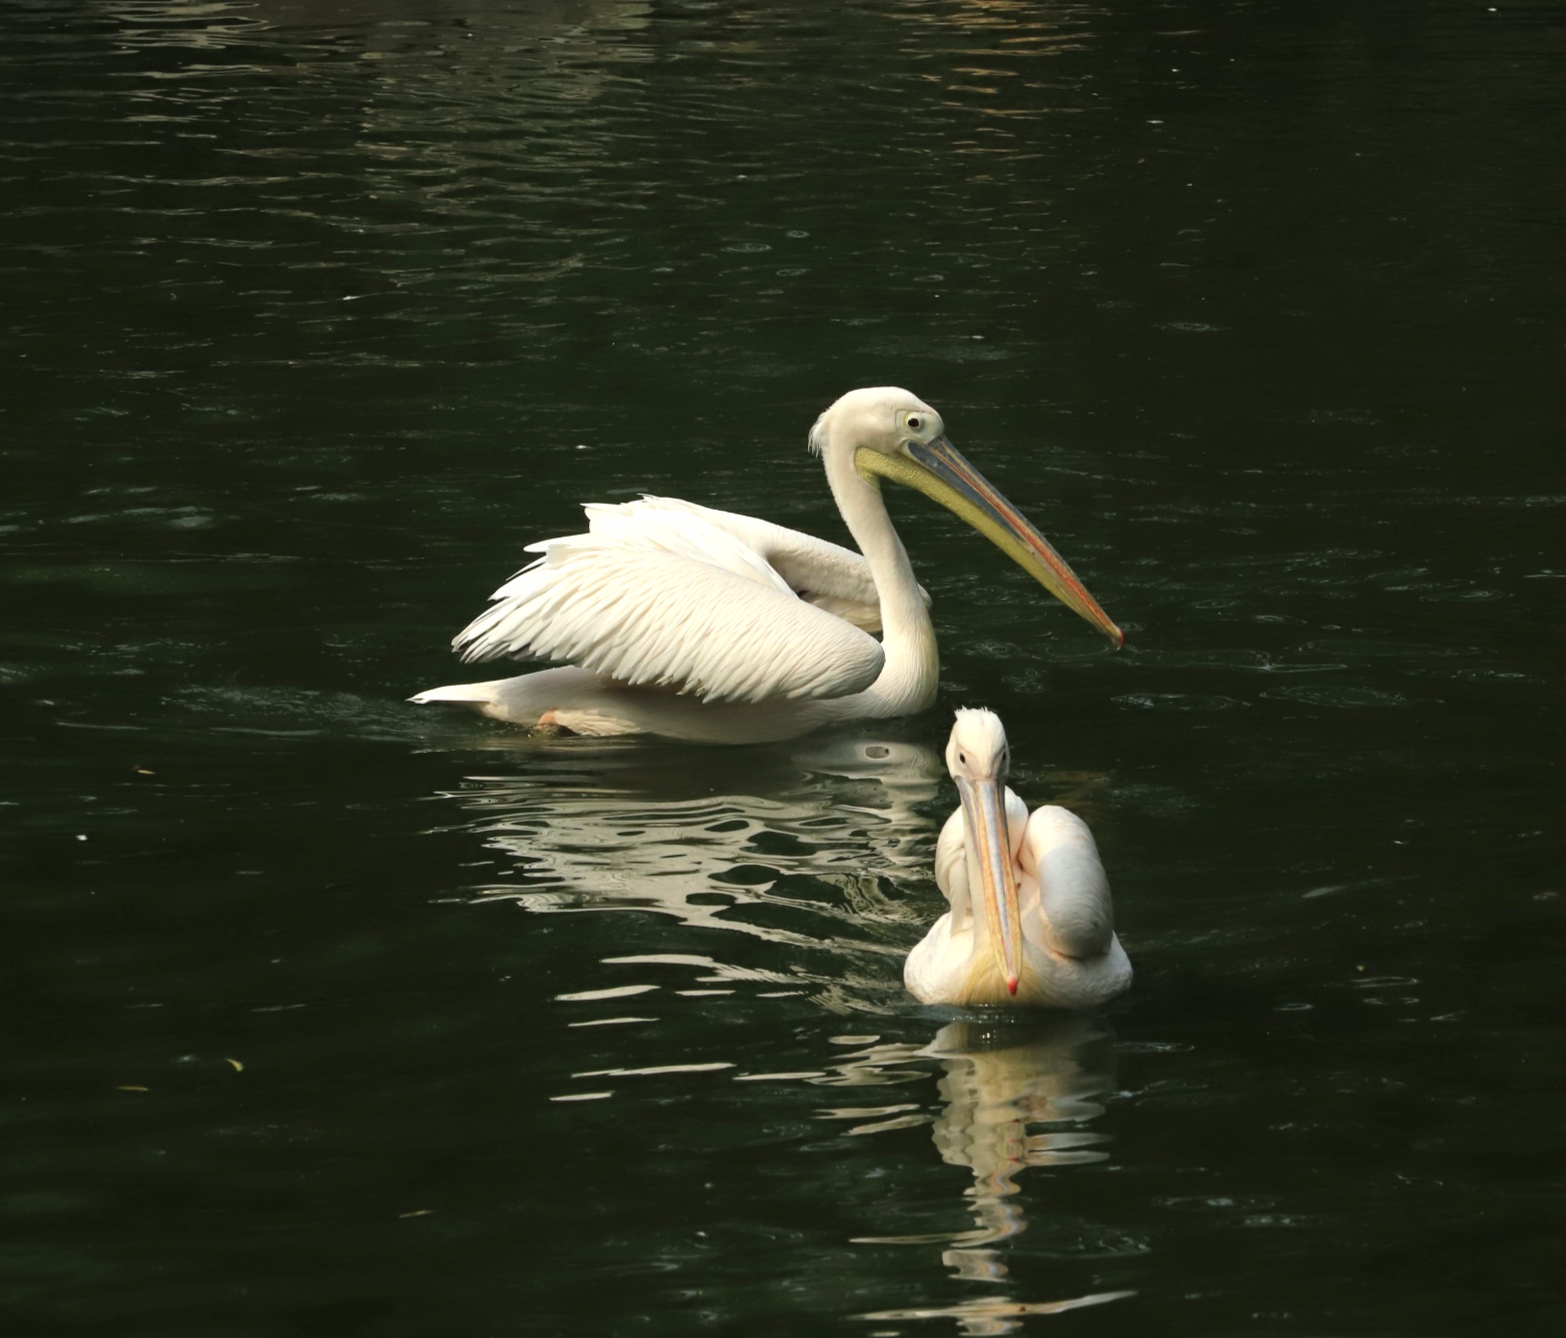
x: 674, y: 619
x: 1031, y: 920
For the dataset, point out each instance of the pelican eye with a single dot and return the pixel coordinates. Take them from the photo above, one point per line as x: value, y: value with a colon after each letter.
x: 962, y: 758
x: 915, y: 423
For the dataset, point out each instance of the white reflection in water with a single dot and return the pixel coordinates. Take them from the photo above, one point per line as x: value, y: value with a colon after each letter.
x: 1000, y: 1081
x: 989, y: 1315
x: 709, y: 842
x: 716, y: 843
x: 1013, y: 1095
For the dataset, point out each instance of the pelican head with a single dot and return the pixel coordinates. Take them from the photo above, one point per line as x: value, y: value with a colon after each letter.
x: 892, y: 433
x: 978, y: 758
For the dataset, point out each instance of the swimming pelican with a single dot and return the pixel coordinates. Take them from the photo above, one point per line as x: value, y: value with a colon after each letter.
x: 1043, y: 932
x: 670, y: 618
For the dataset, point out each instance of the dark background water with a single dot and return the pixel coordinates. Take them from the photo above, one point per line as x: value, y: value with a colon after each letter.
x: 315, y: 313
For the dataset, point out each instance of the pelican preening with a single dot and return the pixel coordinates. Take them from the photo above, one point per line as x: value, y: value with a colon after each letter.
x: 1031, y: 920
x: 670, y: 618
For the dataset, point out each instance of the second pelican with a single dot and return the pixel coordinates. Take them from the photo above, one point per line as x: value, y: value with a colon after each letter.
x: 670, y: 618
x: 1031, y: 920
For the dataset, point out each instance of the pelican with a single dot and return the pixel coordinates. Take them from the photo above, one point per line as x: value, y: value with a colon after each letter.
x: 670, y: 618
x: 1044, y: 930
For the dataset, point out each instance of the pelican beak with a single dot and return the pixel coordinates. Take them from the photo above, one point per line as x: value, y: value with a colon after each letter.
x: 989, y: 838
x: 940, y: 471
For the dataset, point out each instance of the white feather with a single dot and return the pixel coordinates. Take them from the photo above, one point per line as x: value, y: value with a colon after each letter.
x: 658, y: 595
x: 826, y: 574
x: 1061, y: 857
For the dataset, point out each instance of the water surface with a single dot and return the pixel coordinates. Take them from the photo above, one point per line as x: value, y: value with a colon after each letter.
x: 327, y: 1015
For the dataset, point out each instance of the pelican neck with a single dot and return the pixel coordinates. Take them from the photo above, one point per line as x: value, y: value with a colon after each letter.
x: 908, y: 680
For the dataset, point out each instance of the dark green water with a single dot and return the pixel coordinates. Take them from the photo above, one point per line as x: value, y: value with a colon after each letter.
x: 327, y: 1016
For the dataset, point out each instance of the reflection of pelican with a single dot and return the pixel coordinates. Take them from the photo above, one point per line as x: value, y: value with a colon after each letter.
x: 673, y: 619
x: 809, y: 847
x: 999, y: 1080
x: 1044, y: 931
x: 1003, y: 1079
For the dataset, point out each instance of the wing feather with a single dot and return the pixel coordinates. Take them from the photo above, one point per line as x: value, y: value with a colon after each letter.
x: 831, y: 577
x: 664, y: 598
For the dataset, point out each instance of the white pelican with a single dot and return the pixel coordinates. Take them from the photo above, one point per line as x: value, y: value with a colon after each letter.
x: 1044, y: 930
x: 670, y: 618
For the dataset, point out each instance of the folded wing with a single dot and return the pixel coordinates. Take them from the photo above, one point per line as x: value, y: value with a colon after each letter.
x: 831, y: 577
x: 662, y: 597
x: 1060, y: 852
